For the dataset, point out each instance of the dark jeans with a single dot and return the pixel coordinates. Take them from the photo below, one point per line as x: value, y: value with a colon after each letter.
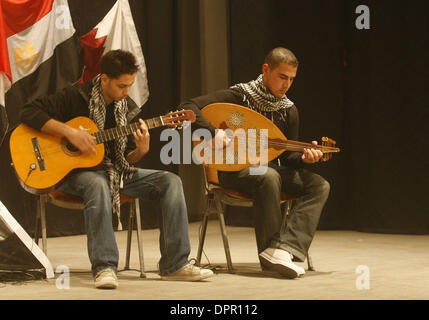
x: 312, y: 191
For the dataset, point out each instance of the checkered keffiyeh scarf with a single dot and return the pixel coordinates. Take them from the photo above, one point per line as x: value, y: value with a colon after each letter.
x: 260, y: 98
x: 118, y: 167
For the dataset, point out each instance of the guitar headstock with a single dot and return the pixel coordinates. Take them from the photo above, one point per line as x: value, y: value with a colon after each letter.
x: 177, y: 118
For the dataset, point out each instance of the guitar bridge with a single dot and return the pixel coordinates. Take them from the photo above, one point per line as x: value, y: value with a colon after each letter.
x: 36, y: 149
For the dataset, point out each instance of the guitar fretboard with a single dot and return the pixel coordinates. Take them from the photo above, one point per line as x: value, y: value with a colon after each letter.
x: 117, y: 132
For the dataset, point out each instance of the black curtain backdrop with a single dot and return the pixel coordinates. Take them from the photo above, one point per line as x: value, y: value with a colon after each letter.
x: 363, y: 88
x: 386, y: 104
x: 156, y: 25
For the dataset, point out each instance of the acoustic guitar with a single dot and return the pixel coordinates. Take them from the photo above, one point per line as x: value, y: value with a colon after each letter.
x: 42, y: 161
x: 245, y: 150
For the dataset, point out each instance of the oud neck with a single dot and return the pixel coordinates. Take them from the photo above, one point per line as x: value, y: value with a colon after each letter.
x: 291, y: 145
x: 117, y: 132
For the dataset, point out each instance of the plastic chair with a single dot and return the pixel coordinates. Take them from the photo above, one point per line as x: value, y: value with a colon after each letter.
x: 68, y: 201
x: 222, y: 196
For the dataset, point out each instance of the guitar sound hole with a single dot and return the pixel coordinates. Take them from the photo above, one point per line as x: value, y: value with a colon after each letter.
x: 71, y: 147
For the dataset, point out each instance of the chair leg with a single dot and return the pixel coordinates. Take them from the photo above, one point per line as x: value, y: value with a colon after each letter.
x: 310, y: 263
x: 202, y: 235
x: 139, y: 236
x: 288, y: 206
x: 221, y: 218
x: 129, y: 236
x: 36, y: 225
x: 42, y: 208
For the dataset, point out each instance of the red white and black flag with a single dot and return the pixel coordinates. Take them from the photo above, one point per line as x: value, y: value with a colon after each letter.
x: 39, y: 51
x: 116, y: 31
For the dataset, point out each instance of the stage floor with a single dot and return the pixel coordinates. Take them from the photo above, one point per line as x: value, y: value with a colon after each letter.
x: 349, y: 265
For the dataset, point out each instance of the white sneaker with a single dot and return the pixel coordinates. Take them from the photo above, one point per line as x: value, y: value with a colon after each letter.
x: 280, y: 261
x: 189, y: 272
x: 106, y: 279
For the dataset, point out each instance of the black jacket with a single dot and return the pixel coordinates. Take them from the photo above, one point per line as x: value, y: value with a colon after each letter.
x: 69, y: 103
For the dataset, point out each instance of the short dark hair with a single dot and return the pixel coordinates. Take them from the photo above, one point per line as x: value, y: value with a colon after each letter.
x: 280, y: 55
x: 117, y: 62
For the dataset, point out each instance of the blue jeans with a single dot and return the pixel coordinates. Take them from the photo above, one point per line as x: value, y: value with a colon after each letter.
x: 162, y: 186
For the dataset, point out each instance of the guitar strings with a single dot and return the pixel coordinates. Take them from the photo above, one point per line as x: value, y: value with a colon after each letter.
x: 113, y: 133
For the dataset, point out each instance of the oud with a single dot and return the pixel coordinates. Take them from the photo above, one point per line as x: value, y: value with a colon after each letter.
x: 242, y: 152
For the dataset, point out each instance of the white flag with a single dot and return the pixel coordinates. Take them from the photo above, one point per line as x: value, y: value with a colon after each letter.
x: 116, y: 31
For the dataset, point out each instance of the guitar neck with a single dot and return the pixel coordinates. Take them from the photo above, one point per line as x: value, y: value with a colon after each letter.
x: 117, y: 132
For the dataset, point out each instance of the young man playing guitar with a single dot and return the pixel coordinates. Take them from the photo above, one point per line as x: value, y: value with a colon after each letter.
x: 105, y: 100
x: 277, y: 246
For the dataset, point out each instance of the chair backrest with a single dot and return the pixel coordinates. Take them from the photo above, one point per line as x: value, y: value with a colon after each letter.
x: 211, y: 175
x: 63, y: 200
x: 68, y: 201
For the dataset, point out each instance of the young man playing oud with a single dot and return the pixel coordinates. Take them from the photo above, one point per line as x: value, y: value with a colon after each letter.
x: 277, y: 246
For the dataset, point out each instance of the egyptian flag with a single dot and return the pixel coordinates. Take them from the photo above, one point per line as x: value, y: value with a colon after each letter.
x: 116, y: 31
x: 39, y: 52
